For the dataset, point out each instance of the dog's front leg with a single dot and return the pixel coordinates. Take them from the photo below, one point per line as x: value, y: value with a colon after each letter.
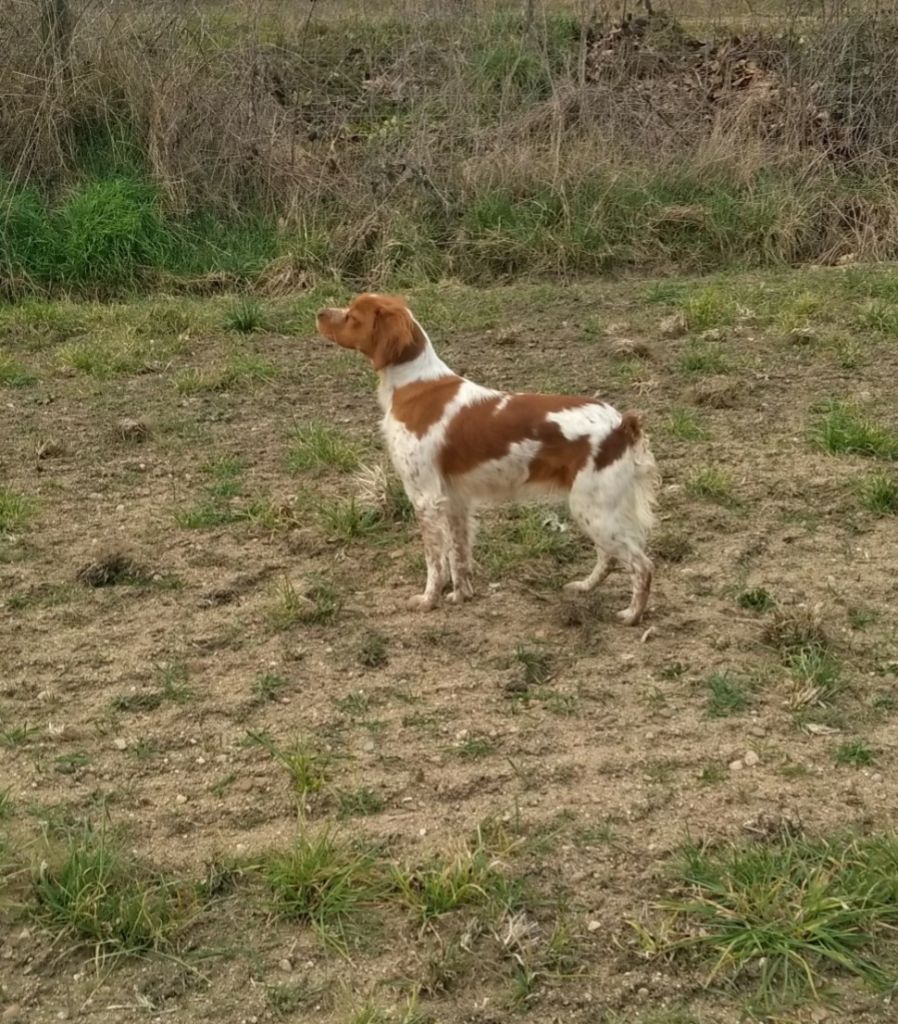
x: 434, y: 534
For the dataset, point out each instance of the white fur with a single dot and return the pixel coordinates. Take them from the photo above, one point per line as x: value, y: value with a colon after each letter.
x: 613, y: 506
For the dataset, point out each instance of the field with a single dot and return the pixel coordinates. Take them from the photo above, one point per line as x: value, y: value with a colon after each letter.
x: 241, y: 782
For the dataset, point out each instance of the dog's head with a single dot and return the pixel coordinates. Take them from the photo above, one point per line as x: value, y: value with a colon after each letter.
x: 379, y: 326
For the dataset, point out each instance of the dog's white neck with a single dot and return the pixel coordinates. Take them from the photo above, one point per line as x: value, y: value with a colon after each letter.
x: 426, y: 366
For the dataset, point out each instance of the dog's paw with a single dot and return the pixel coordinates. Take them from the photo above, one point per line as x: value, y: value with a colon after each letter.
x: 629, y: 618
x: 422, y: 603
x: 577, y: 587
x: 459, y: 596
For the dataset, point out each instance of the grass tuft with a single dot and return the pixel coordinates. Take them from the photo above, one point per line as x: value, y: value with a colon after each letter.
x: 783, y: 916
x: 94, y: 893
x: 326, y: 882
x: 843, y: 429
x: 16, y: 511
x: 726, y: 695
x: 473, y: 877
x: 712, y: 484
x: 316, y: 446
x: 855, y: 752
x: 879, y: 493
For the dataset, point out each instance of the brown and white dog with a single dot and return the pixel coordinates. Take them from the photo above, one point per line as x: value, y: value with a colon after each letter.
x: 456, y: 444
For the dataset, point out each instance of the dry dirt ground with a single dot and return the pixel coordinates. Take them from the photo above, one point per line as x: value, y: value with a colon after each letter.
x: 254, y: 673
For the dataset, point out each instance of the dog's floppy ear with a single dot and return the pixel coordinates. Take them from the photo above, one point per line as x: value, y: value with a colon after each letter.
x: 394, y: 338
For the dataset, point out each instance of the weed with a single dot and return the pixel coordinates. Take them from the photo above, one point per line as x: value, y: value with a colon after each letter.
x: 726, y: 695
x: 474, y: 747
x: 93, y: 892
x: 5, y: 803
x: 306, y: 766
x: 757, y: 600
x: 318, y: 446
x: 855, y: 752
x: 16, y: 735
x: 711, y: 483
x: 245, y: 316
x: 817, y: 674
x: 702, y: 358
x: 781, y: 915
x: 685, y: 425
x: 16, y: 511
x: 843, y: 429
x: 536, y: 666
x: 473, y: 877
x: 354, y: 803
x: 879, y: 493
x: 13, y: 374
x: 173, y: 677
x: 268, y: 687
x: 326, y: 882
x: 345, y: 521
x: 372, y: 650
x: 320, y: 604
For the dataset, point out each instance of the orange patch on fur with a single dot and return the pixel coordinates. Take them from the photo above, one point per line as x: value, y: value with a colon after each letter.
x: 486, y: 430
x: 624, y: 435
x: 421, y: 404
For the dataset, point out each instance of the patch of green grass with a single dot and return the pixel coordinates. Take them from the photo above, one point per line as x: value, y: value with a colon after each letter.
x: 712, y: 484
x: 108, y: 355
x: 268, y: 687
x: 843, y: 429
x: 93, y: 892
x: 317, y: 446
x: 326, y: 882
x: 344, y: 520
x: 855, y: 752
x: 306, y: 766
x: 14, y: 736
x: 472, y: 748
x: 319, y: 604
x: 245, y: 316
x: 756, y: 600
x: 14, y: 374
x: 360, y: 802
x: 372, y: 650
x: 5, y: 803
x: 474, y: 877
x: 879, y: 493
x: 173, y: 680
x: 68, y: 764
x: 536, y: 666
x: 16, y: 511
x: 712, y: 774
x: 686, y: 425
x: 109, y: 233
x: 880, y: 316
x: 525, y: 534
x: 242, y: 369
x: 782, y: 917
x: 817, y: 673
x: 860, y: 618
x: 726, y: 695
x: 706, y: 308
x: 700, y: 357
